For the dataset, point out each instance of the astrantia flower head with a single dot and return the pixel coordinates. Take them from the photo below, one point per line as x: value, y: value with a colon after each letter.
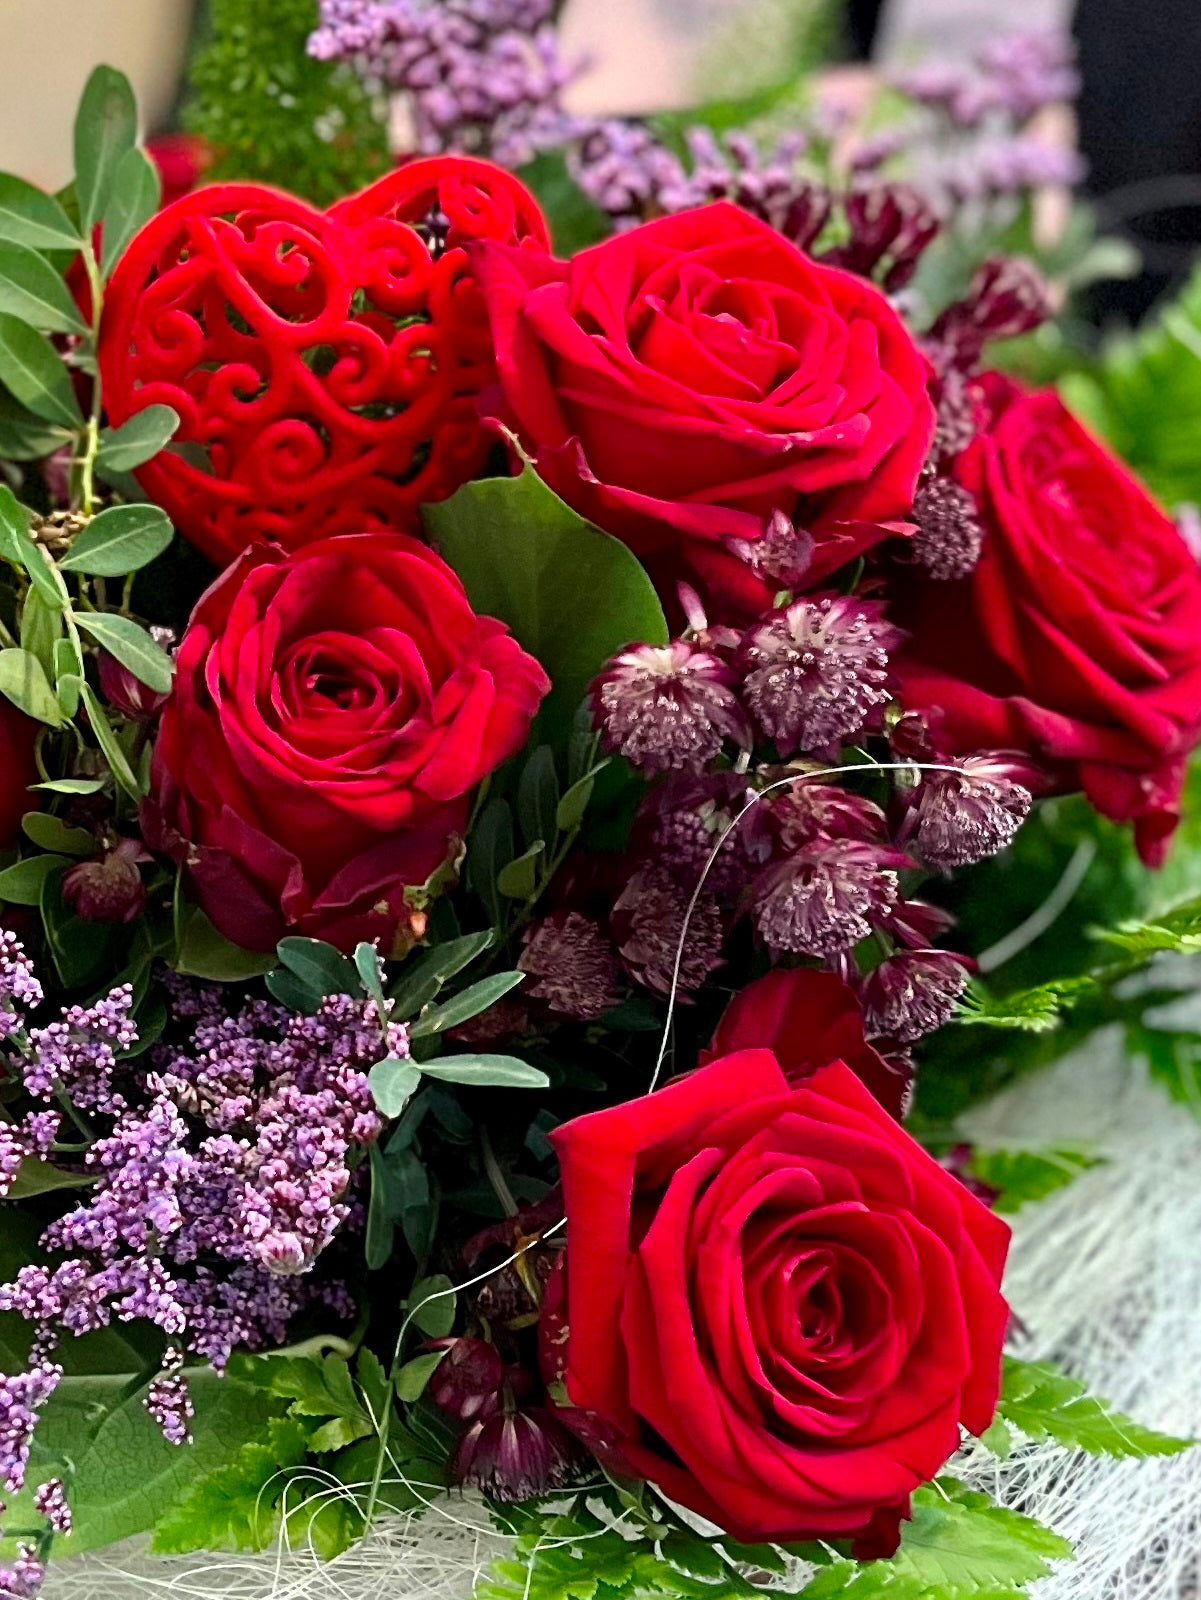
x: 685, y: 819
x: 1006, y: 296
x: 808, y: 811
x: 668, y: 707
x: 913, y: 993
x: 573, y: 966
x: 970, y: 814
x: 949, y: 535
x: 648, y: 919
x: 782, y: 556
x: 825, y: 898
x: 817, y: 670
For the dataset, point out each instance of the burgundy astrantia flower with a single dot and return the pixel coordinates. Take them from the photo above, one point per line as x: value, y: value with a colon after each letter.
x: 824, y: 898
x: 668, y: 707
x: 648, y: 920
x: 913, y: 993
x: 967, y: 815
x: 573, y: 966
x: 683, y: 820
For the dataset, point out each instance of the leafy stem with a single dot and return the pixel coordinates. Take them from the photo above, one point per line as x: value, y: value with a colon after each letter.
x: 91, y: 437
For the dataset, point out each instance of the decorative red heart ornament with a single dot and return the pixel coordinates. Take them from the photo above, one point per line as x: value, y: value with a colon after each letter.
x: 325, y: 365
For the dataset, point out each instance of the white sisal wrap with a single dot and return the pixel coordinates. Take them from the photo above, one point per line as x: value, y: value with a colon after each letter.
x: 1106, y: 1277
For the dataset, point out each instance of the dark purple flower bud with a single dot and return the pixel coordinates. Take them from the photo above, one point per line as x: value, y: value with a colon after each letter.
x: 1007, y: 296
x: 108, y: 888
x: 968, y: 815
x: 469, y: 1378
x: 805, y: 214
x: 573, y: 965
x: 917, y: 924
x: 958, y: 1162
x: 648, y: 918
x: 782, y: 556
x: 808, y: 812
x: 826, y: 898
x: 50, y: 1501
x: 668, y: 707
x: 515, y: 1454
x: 682, y: 822
x: 957, y: 410
x: 889, y: 222
x: 912, y: 993
x: 125, y: 693
x: 817, y: 670
x: 949, y: 535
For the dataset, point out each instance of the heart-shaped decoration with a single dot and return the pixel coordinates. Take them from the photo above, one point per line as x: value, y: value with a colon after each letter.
x: 325, y: 365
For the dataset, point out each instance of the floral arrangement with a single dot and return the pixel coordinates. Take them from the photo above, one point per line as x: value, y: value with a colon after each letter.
x: 490, y: 740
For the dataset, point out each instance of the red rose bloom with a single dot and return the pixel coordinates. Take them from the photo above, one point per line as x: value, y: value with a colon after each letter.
x: 18, y: 770
x: 807, y: 1018
x: 332, y: 710
x: 1078, y: 635
x: 780, y: 1308
x: 681, y: 382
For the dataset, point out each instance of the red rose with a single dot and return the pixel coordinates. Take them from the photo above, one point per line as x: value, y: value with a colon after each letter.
x: 680, y: 382
x: 18, y: 770
x: 807, y: 1019
x: 780, y: 1308
x: 1078, y: 636
x: 332, y: 710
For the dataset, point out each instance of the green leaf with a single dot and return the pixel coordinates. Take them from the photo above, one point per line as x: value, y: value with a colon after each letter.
x: 136, y: 192
x: 519, y: 879
x: 33, y: 371
x: 118, y: 541
x: 36, y: 1177
x: 17, y: 547
x: 1037, y: 1010
x: 466, y: 1004
x: 237, y: 1506
x: 202, y: 952
x: 431, y: 1305
x: 490, y: 848
x: 319, y: 966
x: 74, y: 786
x: 42, y: 633
x: 538, y: 798
x: 21, y: 885
x: 541, y: 569
x: 52, y: 833
x: 97, y: 1434
x: 367, y: 965
x: 110, y: 746
x: 569, y: 813
x: 424, y: 973
x: 137, y: 440
x: 106, y: 127
x: 31, y: 290
x: 24, y: 436
x: 964, y: 1544
x: 486, y: 1071
x: 1044, y: 1403
x: 129, y: 643
x: 414, y: 1376
x: 23, y: 681
x: 1025, y: 1175
x: 393, y: 1083
x: 31, y: 217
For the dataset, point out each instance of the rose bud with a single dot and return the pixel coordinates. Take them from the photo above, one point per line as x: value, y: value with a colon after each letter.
x: 108, y: 888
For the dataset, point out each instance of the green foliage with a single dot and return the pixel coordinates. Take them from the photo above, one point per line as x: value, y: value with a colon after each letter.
x: 1043, y: 1403
x: 1144, y: 395
x: 1037, y: 1010
x: 275, y: 115
x: 1021, y: 1176
x: 238, y: 1505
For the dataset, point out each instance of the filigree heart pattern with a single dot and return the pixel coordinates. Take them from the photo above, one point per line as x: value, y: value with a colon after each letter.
x: 325, y: 365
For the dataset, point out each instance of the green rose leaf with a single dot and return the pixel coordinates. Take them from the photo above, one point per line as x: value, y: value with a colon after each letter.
x: 118, y: 541
x: 138, y: 440
x: 572, y: 595
x: 136, y: 192
x: 24, y: 682
x: 127, y: 641
x: 34, y: 372
x: 32, y: 290
x: 31, y: 217
x: 106, y: 127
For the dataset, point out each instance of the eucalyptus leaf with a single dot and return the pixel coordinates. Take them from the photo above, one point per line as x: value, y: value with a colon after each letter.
x: 466, y: 1004
x: 519, y: 880
x: 31, y: 217
x: 67, y: 691
x: 136, y: 192
x: 18, y: 547
x: 486, y: 1072
x: 571, y: 808
x: 381, y: 1229
x: 118, y: 541
x: 392, y: 1083
x: 366, y: 961
x: 137, y: 440
x: 106, y: 127
x: 490, y: 848
x: 21, y: 885
x: 424, y: 973
x: 34, y: 372
x: 129, y: 643
x: 41, y: 630
x: 35, y: 1176
x: 75, y: 786
x: 110, y: 746
x: 32, y: 290
x: 24, y: 682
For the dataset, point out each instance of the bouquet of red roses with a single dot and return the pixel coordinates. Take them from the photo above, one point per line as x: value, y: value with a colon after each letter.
x: 487, y: 738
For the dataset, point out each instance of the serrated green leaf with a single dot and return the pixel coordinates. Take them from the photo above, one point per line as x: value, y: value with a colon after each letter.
x: 31, y: 217
x: 106, y: 126
x: 120, y: 540
x: 130, y: 644
x: 1021, y: 1176
x: 32, y: 291
x: 237, y: 1506
x: 1044, y: 1403
x: 136, y: 192
x: 138, y: 439
x: 962, y: 1543
x: 485, y: 1071
x: 34, y: 372
x: 24, y: 683
x: 468, y: 1003
x: 1036, y: 1010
